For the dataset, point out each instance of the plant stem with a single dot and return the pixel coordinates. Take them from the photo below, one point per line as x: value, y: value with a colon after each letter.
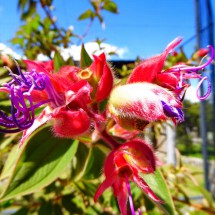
x: 109, y: 140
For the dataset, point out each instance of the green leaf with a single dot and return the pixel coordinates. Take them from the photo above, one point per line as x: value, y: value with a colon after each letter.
x: 157, y: 183
x: 50, y: 208
x: 10, y: 163
x: 85, y: 58
x: 22, y: 211
x: 58, y: 61
x: 41, y: 160
x: 88, y: 163
x: 111, y: 6
x: 87, y: 14
x: 95, y: 164
x: 87, y: 188
x: 73, y: 204
x: 79, y: 162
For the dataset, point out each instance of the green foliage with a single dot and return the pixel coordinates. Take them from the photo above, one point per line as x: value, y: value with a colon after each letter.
x: 40, y: 35
x: 87, y: 14
x: 85, y: 58
x: 58, y: 61
x: 158, y: 184
x: 39, y: 162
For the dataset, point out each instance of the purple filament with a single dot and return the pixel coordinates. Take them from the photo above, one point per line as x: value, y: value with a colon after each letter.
x: 22, y: 113
x: 187, y: 72
x: 130, y: 196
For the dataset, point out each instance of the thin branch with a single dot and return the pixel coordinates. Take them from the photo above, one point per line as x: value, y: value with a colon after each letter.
x: 86, y: 31
x: 109, y: 140
x: 49, y: 15
x: 197, y: 206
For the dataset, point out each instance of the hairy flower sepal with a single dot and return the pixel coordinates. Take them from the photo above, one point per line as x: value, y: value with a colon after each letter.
x: 135, y: 105
x: 126, y: 163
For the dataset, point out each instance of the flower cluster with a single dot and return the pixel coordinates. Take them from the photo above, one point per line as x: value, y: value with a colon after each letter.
x: 72, y: 97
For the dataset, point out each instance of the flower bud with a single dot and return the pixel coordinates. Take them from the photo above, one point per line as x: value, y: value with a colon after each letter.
x: 143, y: 103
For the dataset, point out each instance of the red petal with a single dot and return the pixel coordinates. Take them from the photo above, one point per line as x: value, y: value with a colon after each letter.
x: 98, y: 65
x: 148, y: 69
x: 48, y: 65
x: 168, y: 80
x: 105, y: 84
x: 68, y: 123
x: 79, y: 95
x: 105, y: 184
x: 144, y: 186
x: 120, y: 191
x: 69, y: 72
x: 140, y: 154
x: 31, y: 65
x: 59, y: 83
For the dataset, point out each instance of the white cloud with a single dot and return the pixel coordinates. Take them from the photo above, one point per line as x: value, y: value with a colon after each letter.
x: 73, y: 51
x: 42, y: 57
x: 8, y: 51
x: 92, y: 48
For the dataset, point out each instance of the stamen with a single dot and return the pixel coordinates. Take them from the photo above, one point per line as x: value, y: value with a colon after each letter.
x: 56, y: 99
x: 130, y: 196
x: 179, y: 68
x: 22, y: 113
x: 187, y: 72
x: 208, y: 90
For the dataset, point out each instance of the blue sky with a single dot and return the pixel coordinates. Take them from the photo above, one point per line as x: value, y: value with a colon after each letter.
x: 142, y: 27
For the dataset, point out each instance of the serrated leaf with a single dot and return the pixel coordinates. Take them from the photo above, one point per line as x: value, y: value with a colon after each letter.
x: 87, y: 14
x: 85, y: 58
x: 157, y: 183
x: 41, y: 160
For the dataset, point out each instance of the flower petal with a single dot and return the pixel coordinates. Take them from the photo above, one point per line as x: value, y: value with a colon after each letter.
x: 69, y: 72
x: 120, y: 191
x: 98, y: 65
x: 148, y: 69
x: 108, y: 182
x: 105, y: 84
x: 69, y: 123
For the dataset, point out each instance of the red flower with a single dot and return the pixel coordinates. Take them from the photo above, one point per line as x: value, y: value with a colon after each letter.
x: 67, y: 97
x: 100, y: 77
x: 148, y: 69
x: 135, y: 105
x: 127, y: 162
x: 151, y: 70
